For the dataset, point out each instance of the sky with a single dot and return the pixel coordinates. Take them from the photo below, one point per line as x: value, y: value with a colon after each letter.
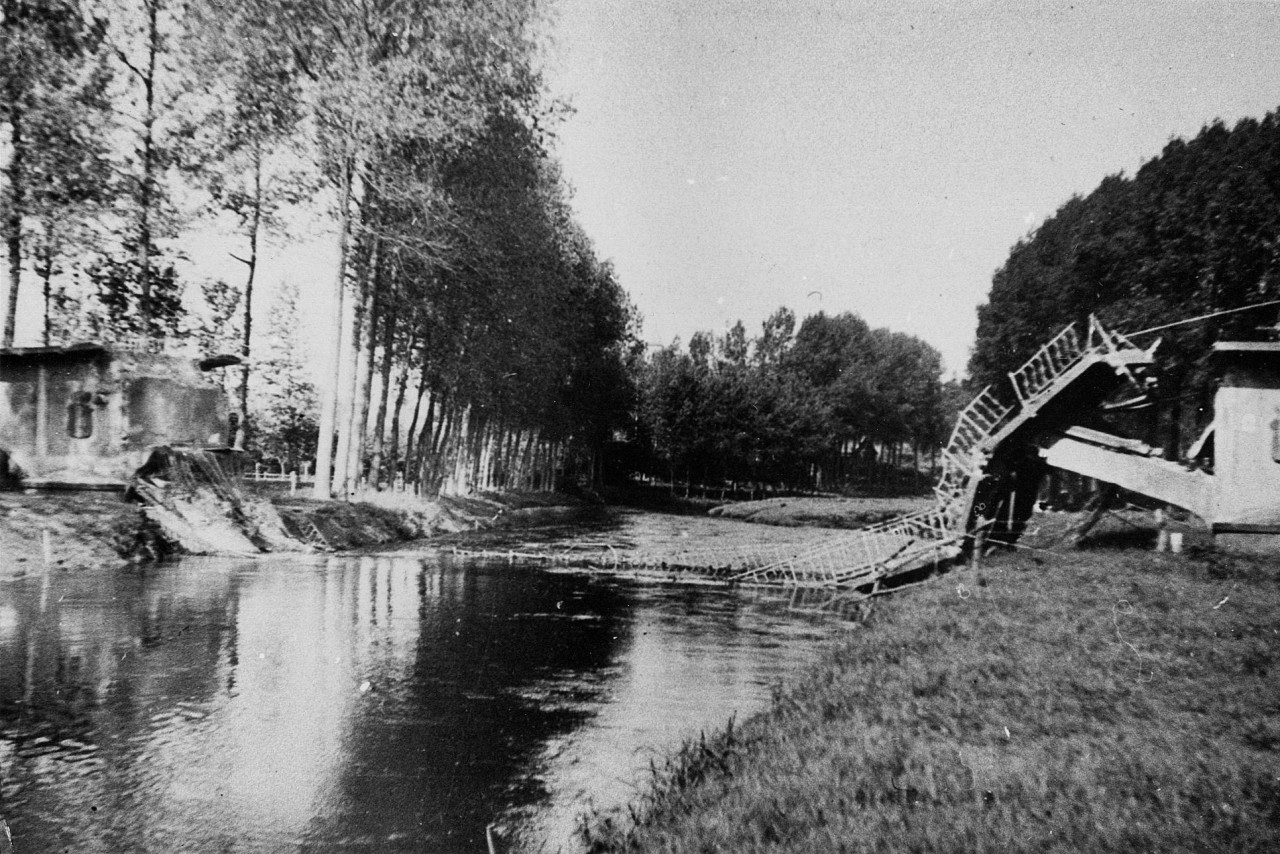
x: 874, y: 157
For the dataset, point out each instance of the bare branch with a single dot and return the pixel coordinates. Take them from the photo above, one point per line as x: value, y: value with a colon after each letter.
x: 124, y: 60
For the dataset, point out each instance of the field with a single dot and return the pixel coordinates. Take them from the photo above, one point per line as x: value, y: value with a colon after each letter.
x: 822, y: 512
x: 1106, y: 699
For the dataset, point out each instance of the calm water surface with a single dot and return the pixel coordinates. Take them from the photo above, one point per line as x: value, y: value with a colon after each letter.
x: 391, y: 703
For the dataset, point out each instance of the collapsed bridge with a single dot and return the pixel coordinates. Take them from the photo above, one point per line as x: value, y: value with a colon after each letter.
x: 1000, y: 450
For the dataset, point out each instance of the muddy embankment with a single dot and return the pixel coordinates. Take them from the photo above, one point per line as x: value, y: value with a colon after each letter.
x: 78, y: 530
x: 343, y: 526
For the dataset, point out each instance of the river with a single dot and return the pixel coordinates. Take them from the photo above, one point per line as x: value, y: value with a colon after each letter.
x: 369, y: 703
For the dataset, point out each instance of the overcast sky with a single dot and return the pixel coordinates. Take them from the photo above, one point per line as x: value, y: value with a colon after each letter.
x: 880, y: 158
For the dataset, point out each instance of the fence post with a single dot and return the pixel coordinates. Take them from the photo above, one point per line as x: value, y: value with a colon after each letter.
x: 1162, y: 531
x: 979, y: 542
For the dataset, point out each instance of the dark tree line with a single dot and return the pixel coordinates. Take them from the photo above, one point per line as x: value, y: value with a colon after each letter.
x: 1194, y: 232
x: 832, y: 404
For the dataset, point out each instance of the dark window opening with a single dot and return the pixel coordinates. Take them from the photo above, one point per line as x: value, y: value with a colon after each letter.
x: 80, y: 416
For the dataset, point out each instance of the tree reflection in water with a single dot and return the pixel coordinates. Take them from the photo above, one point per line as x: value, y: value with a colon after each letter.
x: 367, y: 703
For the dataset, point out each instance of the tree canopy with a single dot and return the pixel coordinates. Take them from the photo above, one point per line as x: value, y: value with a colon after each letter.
x: 1194, y: 232
x: 475, y: 339
x: 814, y: 407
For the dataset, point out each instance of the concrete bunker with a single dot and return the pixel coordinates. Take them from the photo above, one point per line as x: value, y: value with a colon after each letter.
x: 88, y: 416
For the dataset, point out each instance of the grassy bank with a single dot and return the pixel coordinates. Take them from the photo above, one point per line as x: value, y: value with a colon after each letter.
x: 824, y: 512
x: 79, y: 529
x: 1106, y: 700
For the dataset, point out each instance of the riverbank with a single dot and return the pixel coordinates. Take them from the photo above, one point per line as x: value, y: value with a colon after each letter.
x: 1106, y: 699
x: 78, y: 530
x: 387, y: 519
x: 92, y: 529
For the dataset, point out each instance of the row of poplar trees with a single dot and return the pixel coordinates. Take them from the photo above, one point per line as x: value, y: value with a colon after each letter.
x: 474, y: 338
x: 1178, y: 248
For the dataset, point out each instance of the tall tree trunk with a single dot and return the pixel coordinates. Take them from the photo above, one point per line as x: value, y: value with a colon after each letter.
x: 402, y: 387
x: 527, y: 460
x: 46, y: 281
x: 433, y: 429
x: 553, y: 466
x: 477, y: 432
x: 47, y: 253
x: 363, y: 387
x: 411, y: 443
x: 509, y: 458
x: 363, y: 339
x: 481, y: 458
x: 380, y: 419
x: 468, y: 451
x: 424, y: 460
x: 453, y: 449
x: 498, y: 455
x: 17, y: 185
x: 452, y: 438
x: 333, y: 369
x: 350, y: 347
x: 147, y: 187
x: 511, y: 465
x: 430, y: 439
x: 496, y: 449
x: 255, y: 226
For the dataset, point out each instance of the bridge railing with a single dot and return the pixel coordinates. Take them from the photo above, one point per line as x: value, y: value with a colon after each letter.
x: 1100, y: 338
x: 977, y: 421
x: 868, y: 551
x: 1047, y: 364
x: 1061, y: 354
